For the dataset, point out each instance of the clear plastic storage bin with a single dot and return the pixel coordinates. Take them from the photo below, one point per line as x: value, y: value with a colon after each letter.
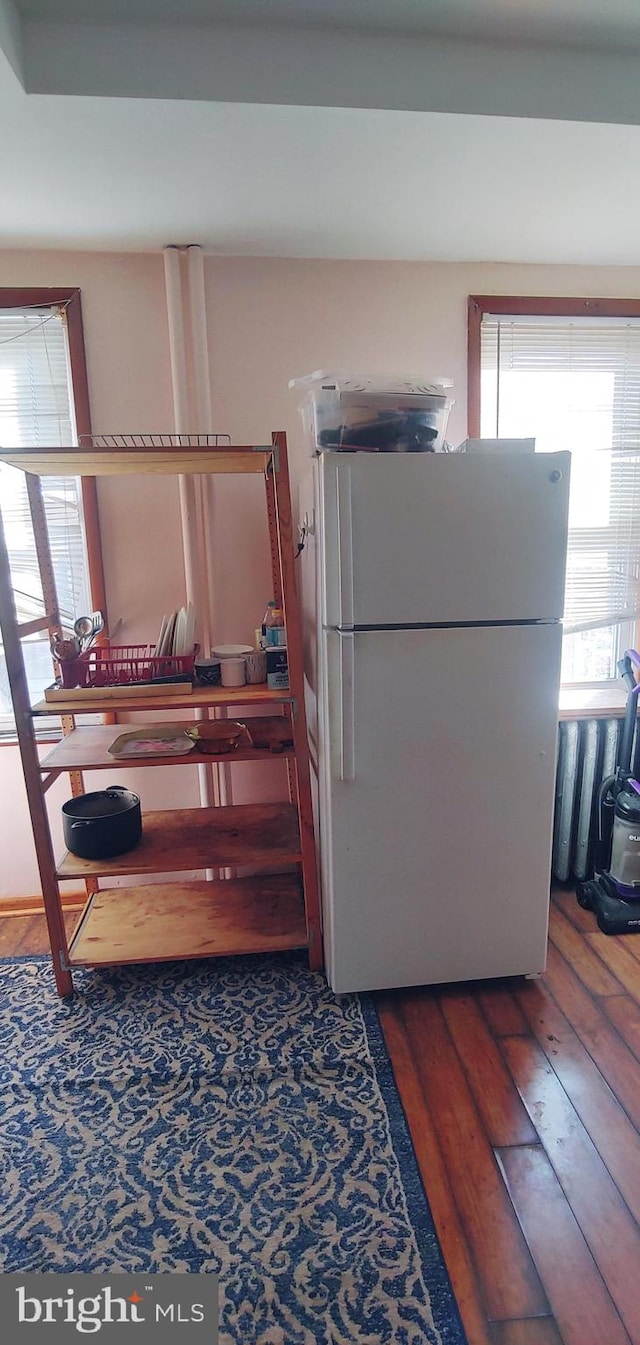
x: 348, y: 413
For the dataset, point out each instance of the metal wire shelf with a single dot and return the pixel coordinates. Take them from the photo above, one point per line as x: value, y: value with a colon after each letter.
x: 160, y: 441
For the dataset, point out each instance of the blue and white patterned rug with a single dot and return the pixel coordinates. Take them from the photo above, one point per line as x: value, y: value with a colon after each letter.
x: 229, y: 1116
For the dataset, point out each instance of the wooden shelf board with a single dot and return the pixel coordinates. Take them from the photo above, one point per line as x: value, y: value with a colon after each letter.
x: 251, y: 835
x: 171, y: 921
x: 87, y: 748
x: 98, y: 461
x: 199, y: 697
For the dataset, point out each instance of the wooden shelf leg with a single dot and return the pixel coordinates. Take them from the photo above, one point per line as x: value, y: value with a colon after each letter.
x: 31, y: 767
x: 57, y: 939
x: 285, y: 585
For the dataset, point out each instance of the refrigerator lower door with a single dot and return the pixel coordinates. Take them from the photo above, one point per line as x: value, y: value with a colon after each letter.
x: 437, y: 771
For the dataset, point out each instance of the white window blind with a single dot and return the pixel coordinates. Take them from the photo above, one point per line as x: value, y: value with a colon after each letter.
x: 36, y: 408
x: 574, y: 383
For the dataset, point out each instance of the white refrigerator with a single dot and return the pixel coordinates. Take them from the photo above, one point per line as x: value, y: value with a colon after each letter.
x: 433, y: 587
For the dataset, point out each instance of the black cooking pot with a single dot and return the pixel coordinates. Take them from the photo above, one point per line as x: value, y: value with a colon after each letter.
x: 102, y: 824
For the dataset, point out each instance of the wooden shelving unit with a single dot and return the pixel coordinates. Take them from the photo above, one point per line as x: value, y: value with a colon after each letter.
x: 277, y: 906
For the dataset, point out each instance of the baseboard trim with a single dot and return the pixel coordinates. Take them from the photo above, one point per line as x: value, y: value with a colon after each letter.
x: 70, y: 901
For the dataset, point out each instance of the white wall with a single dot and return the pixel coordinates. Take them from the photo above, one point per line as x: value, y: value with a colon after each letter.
x: 269, y: 320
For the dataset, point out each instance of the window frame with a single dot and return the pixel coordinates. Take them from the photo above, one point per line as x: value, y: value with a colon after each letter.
x: 522, y: 306
x: 534, y: 306
x: 68, y: 297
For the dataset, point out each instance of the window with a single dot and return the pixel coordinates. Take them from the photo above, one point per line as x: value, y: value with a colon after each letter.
x: 38, y: 405
x: 571, y: 379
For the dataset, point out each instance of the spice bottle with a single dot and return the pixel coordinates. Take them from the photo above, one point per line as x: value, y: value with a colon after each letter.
x: 273, y: 624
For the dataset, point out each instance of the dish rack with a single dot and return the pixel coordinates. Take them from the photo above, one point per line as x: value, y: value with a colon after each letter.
x: 123, y: 664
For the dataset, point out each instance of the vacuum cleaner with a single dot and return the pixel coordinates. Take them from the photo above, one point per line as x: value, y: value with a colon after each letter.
x: 613, y: 893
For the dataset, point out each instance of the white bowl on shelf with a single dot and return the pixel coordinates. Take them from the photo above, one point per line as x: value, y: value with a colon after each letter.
x: 231, y: 650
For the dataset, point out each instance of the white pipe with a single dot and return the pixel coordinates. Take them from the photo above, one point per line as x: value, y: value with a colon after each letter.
x: 180, y: 414
x: 200, y: 350
x: 202, y: 409
x: 202, y: 386
x: 202, y: 389
x: 188, y: 512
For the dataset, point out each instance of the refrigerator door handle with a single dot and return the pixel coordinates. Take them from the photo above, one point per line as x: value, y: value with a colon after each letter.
x: 347, y: 727
x: 345, y: 544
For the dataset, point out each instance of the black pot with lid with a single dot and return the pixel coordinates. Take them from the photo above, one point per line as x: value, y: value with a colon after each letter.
x: 102, y: 824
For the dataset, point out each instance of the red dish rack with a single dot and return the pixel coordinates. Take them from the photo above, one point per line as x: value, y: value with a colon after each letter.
x: 122, y: 664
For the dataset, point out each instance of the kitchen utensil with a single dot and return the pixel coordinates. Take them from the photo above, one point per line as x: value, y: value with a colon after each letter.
x: 102, y: 824
x: 64, y: 649
x: 86, y: 628
x: 98, y: 626
x: 83, y: 628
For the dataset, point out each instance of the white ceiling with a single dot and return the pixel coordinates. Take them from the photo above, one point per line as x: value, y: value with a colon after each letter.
x: 266, y: 160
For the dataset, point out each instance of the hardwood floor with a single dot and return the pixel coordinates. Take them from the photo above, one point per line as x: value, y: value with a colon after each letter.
x: 523, y: 1099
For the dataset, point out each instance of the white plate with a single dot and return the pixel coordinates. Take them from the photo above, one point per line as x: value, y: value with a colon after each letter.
x: 190, y: 635
x: 167, y: 647
x: 161, y: 634
x: 176, y: 642
x: 166, y: 639
x: 181, y: 632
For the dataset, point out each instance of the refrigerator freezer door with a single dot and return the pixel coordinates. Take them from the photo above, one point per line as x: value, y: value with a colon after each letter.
x: 437, y: 774
x: 417, y: 539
